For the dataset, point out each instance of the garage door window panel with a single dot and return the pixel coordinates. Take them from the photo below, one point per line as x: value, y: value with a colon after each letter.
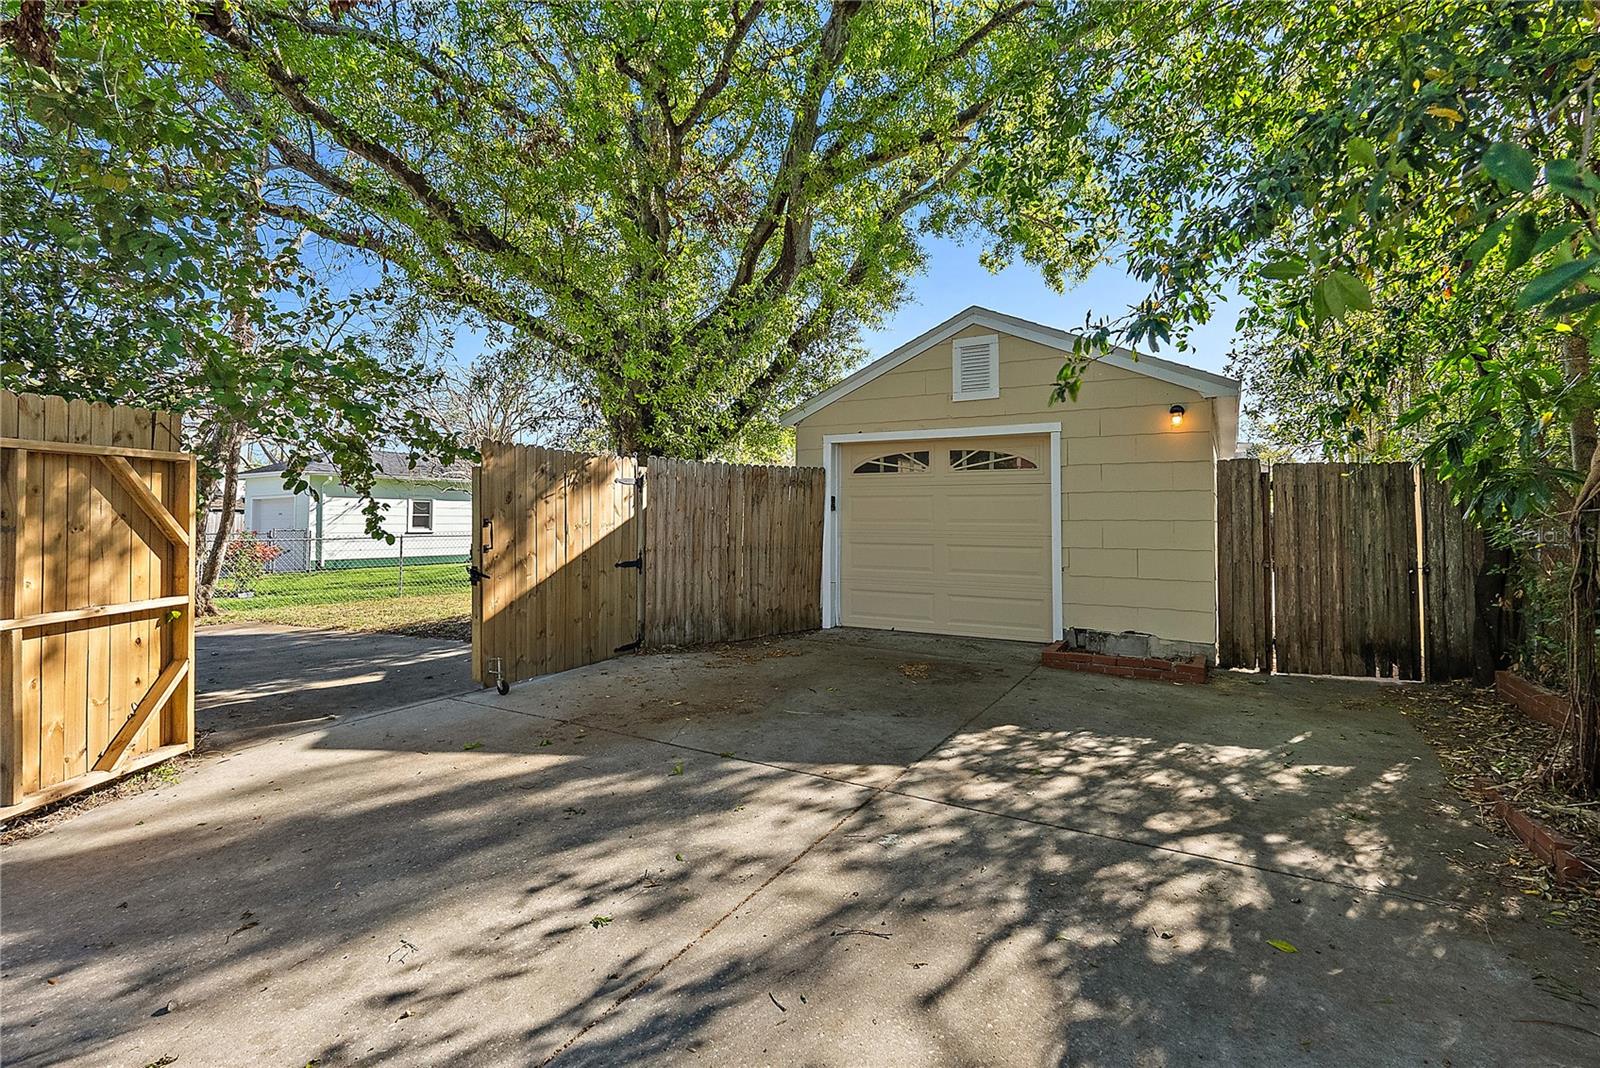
x: 895, y: 463
x: 988, y: 460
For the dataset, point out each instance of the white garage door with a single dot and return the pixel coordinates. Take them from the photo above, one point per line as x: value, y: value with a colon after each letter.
x: 947, y: 537
x: 273, y: 513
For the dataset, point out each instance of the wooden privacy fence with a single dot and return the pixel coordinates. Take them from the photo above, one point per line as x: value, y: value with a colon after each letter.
x: 1343, y: 569
x: 96, y: 587
x: 581, y: 557
x: 731, y: 551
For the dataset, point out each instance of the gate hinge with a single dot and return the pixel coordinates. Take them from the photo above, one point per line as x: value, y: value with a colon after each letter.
x: 833, y: 503
x: 630, y: 647
x: 638, y: 563
x: 637, y: 480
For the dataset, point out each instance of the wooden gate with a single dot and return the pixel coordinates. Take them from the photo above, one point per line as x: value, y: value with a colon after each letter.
x: 568, y: 573
x: 1344, y: 540
x: 556, y: 533
x: 1343, y: 569
x: 96, y: 585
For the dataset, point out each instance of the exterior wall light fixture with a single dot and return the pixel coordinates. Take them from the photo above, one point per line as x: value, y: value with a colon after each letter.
x: 1176, y: 412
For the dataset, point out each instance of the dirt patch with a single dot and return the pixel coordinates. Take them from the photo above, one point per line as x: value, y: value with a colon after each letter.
x: 37, y: 822
x: 756, y: 650
x: 1481, y: 740
x: 939, y: 672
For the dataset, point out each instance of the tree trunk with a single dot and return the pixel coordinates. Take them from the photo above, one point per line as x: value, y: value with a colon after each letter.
x: 1583, y: 666
x: 229, y: 450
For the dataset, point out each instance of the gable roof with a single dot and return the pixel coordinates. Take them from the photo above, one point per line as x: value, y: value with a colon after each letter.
x: 389, y: 464
x: 1204, y: 383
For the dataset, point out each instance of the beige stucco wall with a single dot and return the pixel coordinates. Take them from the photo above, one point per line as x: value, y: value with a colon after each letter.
x: 1138, y: 498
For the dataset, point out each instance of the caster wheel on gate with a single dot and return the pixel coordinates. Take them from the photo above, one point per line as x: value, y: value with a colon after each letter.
x: 502, y: 687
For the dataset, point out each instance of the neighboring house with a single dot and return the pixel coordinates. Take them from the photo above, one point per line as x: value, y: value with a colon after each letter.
x: 961, y: 501
x: 428, y: 508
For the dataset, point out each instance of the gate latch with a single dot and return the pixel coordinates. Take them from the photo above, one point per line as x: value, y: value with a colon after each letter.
x: 476, y: 574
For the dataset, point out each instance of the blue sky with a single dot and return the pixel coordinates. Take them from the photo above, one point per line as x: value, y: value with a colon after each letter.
x: 955, y: 279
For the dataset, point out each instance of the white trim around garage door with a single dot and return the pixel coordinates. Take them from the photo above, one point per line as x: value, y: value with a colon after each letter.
x: 833, y: 484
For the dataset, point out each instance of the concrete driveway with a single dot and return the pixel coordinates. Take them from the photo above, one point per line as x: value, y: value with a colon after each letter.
x: 848, y: 848
x: 258, y: 679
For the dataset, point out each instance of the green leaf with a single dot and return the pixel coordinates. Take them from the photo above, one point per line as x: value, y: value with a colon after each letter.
x: 1284, y: 269
x: 1344, y: 291
x: 1575, y: 303
x: 1523, y: 238
x: 1489, y: 238
x: 1549, y: 285
x: 1361, y: 151
x: 1551, y: 238
x: 472, y: 745
x: 1510, y: 164
x: 1281, y: 946
x: 1568, y: 178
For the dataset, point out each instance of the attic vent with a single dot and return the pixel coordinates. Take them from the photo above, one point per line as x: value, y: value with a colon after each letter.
x: 975, y: 368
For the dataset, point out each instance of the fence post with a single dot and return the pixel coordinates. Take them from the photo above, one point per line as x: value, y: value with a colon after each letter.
x: 401, y: 584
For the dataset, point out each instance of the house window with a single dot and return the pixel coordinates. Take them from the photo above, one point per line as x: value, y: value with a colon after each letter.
x: 894, y: 462
x: 975, y: 368
x: 988, y: 460
x: 420, y: 520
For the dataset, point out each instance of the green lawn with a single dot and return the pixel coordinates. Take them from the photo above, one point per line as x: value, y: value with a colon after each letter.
x: 436, y: 600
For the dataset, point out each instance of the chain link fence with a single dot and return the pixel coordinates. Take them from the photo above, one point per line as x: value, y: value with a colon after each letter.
x: 263, y: 571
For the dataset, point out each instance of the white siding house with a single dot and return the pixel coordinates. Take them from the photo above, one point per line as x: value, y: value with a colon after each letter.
x: 428, y: 509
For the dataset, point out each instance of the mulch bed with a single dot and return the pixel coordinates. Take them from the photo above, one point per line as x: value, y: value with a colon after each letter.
x: 1482, y: 741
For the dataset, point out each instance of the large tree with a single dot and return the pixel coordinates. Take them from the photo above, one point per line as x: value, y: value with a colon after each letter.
x: 692, y: 205
x: 1406, y: 193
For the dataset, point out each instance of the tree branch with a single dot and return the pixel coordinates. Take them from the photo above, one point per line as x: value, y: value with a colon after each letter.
x: 218, y: 22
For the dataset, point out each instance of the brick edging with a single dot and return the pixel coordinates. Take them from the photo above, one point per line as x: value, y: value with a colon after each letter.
x: 1561, y: 854
x: 1125, y: 667
x: 1534, y: 701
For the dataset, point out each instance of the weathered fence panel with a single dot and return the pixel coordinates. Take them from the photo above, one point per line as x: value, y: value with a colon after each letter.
x: 1452, y: 555
x: 1345, y: 559
x: 1244, y: 566
x: 553, y: 528
x: 97, y: 509
x: 731, y: 551
x: 1365, y: 569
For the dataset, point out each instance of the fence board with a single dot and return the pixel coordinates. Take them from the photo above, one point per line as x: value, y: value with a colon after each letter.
x: 73, y: 543
x: 1452, y: 554
x: 1242, y: 634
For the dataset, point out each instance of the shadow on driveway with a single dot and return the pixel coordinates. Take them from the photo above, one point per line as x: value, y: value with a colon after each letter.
x: 256, y: 680
x: 815, y: 851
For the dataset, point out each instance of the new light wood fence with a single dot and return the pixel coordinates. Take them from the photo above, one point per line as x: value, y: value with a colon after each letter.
x: 553, y: 526
x: 731, y: 551
x: 97, y: 639
x: 1344, y: 569
x: 581, y: 557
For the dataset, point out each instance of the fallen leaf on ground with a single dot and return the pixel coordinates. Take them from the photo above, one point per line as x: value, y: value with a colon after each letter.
x: 1281, y: 946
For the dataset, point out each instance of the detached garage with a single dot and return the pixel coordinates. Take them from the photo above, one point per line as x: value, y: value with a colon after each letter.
x: 961, y: 501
